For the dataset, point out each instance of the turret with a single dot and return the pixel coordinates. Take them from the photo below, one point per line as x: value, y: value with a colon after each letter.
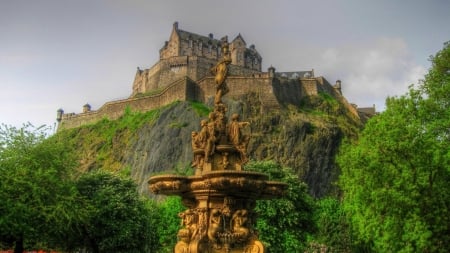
x: 59, y: 114
x: 271, y: 71
x: 86, y: 108
x: 337, y: 86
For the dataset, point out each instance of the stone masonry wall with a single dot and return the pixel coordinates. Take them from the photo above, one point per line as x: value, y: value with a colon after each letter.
x: 272, y: 93
x: 179, y: 90
x: 166, y: 71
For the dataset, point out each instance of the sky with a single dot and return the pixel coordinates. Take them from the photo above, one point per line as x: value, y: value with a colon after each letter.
x: 63, y: 54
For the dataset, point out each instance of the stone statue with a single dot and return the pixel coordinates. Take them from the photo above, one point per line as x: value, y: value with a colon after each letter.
x: 220, y: 71
x: 189, y: 221
x: 215, y: 226
x: 239, y: 141
x: 196, y: 145
x: 206, y: 140
x: 239, y: 221
x: 182, y: 245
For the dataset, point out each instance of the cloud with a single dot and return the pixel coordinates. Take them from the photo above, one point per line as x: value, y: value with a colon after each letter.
x: 371, y: 72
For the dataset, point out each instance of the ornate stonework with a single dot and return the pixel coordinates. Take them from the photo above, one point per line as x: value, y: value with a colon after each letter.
x: 220, y: 197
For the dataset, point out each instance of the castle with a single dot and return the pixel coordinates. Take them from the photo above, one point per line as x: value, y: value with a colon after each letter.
x: 184, y: 73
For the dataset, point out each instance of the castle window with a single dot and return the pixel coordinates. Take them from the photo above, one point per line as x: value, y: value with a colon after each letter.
x: 190, y: 43
x: 209, y: 48
x: 200, y: 45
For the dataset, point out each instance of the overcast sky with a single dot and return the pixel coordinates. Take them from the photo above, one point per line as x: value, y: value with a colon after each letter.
x: 63, y: 54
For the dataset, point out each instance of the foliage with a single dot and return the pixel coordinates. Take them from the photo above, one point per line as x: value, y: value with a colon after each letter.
x: 395, y: 179
x: 201, y: 109
x: 284, y: 224
x: 322, y: 104
x: 119, y: 220
x: 39, y: 200
x: 169, y: 222
x: 102, y: 144
x: 333, y: 229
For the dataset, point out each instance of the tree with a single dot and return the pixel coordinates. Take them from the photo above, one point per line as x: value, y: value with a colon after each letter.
x: 119, y: 220
x: 38, y: 199
x: 169, y: 222
x: 284, y: 224
x: 395, y: 178
x: 333, y: 229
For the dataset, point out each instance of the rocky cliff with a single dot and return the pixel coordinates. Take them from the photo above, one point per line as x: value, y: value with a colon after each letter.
x: 305, y: 137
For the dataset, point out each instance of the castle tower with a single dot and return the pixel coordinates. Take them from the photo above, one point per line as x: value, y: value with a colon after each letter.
x: 338, y: 87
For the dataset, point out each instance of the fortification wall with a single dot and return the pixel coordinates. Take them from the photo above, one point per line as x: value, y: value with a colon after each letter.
x: 238, y: 85
x: 166, y: 71
x: 309, y: 86
x: 271, y: 92
x: 181, y: 90
x: 199, y: 48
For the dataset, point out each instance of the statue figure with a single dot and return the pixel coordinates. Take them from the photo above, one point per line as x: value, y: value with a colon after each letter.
x: 225, y: 161
x: 189, y: 221
x: 221, y: 122
x: 215, y: 222
x: 221, y: 71
x: 206, y: 139
x: 239, y: 221
x: 235, y: 136
x: 213, y: 127
x: 198, y: 158
x: 182, y: 245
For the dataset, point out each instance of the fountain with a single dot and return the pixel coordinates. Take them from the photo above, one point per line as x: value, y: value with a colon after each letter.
x: 221, y: 196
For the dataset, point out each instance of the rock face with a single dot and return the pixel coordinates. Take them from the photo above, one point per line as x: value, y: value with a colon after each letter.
x: 305, y: 137
x: 305, y: 141
x: 163, y: 145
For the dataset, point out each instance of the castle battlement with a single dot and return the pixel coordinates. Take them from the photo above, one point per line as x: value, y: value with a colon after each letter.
x: 184, y: 73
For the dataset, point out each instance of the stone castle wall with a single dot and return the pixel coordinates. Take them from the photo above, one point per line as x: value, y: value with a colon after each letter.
x: 166, y: 71
x: 271, y: 92
x: 182, y: 89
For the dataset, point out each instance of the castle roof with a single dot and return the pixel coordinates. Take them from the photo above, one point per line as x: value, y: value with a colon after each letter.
x: 184, y: 35
x: 241, y: 38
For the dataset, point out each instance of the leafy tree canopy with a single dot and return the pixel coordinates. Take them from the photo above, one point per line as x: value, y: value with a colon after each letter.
x: 169, y: 222
x: 284, y: 224
x: 38, y: 199
x: 395, y: 178
x: 119, y: 220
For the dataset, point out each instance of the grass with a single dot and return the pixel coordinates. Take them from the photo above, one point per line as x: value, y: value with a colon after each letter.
x: 201, y: 109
